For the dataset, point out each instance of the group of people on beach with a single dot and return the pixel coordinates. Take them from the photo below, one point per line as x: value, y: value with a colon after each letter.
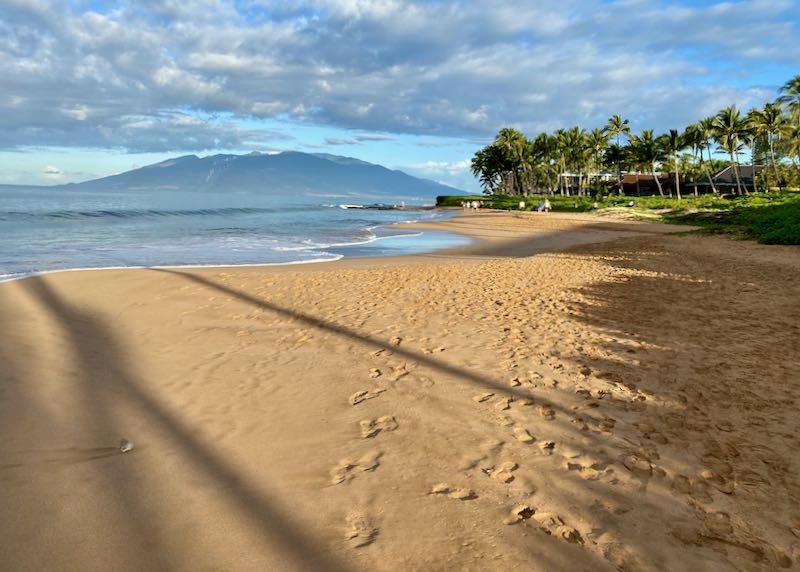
x: 467, y: 205
x: 540, y: 207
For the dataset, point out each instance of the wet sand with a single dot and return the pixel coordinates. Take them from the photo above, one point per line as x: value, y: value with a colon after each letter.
x: 567, y: 393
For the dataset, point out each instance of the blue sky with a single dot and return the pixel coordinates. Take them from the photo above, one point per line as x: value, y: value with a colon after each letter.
x: 91, y: 88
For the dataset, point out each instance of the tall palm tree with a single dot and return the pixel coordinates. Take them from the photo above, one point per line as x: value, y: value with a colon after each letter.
x: 769, y: 123
x: 673, y: 143
x: 695, y: 138
x: 487, y: 166
x: 597, y: 142
x: 650, y: 153
x: 513, y: 146
x: 706, y: 126
x: 614, y: 156
x: 577, y: 153
x: 790, y: 98
x: 561, y: 140
x: 616, y: 127
x: 729, y: 129
x: 793, y: 143
x: 545, y: 157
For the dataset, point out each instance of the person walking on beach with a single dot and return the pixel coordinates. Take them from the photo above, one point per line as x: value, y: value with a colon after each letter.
x: 547, y: 205
x: 539, y: 206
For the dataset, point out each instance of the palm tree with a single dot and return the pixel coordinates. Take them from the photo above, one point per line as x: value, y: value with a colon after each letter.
x: 614, y: 156
x: 513, y: 146
x: 791, y: 98
x: 616, y: 127
x: 793, y: 143
x: 545, y: 160
x: 649, y: 153
x: 673, y: 143
x: 729, y: 129
x: 577, y: 153
x: 706, y: 126
x: 487, y: 166
x: 597, y: 142
x: 769, y: 123
x: 695, y: 137
x: 561, y: 140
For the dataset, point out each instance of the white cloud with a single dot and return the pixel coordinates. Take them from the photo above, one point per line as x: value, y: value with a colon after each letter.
x: 128, y: 77
x: 52, y: 173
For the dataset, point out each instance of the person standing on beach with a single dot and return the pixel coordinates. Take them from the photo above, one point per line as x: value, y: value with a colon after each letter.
x: 539, y: 206
x: 547, y: 205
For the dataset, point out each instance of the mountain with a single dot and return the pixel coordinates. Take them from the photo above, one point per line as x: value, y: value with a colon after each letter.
x: 285, y: 173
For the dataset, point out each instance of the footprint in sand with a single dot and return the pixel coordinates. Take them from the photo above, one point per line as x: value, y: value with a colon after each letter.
x: 482, y: 397
x: 717, y: 481
x: 718, y: 523
x: 371, y: 427
x: 347, y: 469
x: 519, y: 513
x: 638, y: 465
x: 504, y: 471
x: 546, y: 411
x: 382, y: 352
x: 607, y: 424
x: 681, y: 484
x: 374, y: 372
x: 359, y: 531
x: 399, y: 371
x: 547, y: 447
x: 363, y: 395
x: 395, y: 341
x: 552, y: 524
x: 458, y: 493
x: 503, y: 403
x: 487, y: 449
x: 523, y: 436
x: 434, y: 350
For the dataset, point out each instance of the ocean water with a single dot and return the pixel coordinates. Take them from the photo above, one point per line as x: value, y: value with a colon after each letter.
x: 47, y: 230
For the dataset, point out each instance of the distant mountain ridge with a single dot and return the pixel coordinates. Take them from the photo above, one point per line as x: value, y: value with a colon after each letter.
x: 288, y: 172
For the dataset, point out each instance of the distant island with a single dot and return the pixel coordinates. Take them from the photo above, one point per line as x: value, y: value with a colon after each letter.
x: 299, y: 174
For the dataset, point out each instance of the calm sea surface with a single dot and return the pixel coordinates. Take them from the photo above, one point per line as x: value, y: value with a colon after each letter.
x: 45, y: 230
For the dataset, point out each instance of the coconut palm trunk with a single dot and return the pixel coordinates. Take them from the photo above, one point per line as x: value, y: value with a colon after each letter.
x: 708, y: 171
x: 658, y: 183
x: 735, y: 165
x: 772, y: 160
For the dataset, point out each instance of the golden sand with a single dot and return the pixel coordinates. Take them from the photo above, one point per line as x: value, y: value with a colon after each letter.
x: 569, y: 393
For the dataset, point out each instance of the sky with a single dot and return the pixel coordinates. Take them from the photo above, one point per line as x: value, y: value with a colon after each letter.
x: 91, y: 88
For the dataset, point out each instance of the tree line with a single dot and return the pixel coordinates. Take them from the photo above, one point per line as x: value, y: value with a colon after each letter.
x: 570, y: 161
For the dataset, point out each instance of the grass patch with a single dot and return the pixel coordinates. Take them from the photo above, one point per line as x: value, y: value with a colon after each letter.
x: 770, y: 218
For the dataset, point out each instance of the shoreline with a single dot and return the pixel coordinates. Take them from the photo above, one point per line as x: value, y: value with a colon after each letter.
x: 476, y: 233
x: 335, y: 256
x: 563, y: 393
x: 327, y: 252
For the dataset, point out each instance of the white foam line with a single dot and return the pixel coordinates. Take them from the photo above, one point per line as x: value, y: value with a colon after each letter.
x: 342, y: 244
x: 23, y: 276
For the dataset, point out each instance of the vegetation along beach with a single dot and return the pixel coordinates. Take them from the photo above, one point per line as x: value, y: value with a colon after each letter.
x: 399, y: 286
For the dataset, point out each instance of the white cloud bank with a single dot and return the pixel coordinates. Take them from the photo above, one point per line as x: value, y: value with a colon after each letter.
x: 168, y: 75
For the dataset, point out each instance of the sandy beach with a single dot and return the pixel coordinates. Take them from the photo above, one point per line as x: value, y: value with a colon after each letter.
x: 567, y: 393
